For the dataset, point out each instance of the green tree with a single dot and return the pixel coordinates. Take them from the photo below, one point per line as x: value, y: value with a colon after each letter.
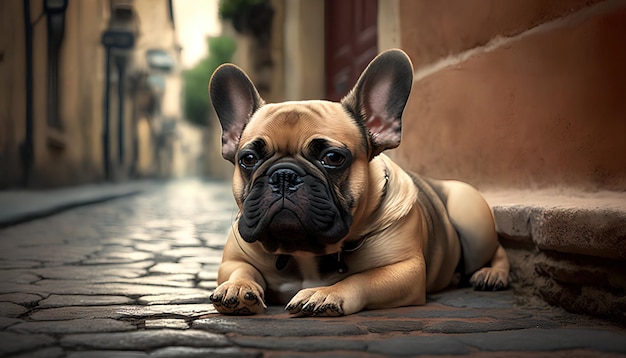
x: 197, y: 105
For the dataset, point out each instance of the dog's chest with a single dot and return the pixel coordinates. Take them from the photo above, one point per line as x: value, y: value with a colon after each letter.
x: 302, y: 272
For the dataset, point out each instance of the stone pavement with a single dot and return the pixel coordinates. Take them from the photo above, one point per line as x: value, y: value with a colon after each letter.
x: 131, y: 278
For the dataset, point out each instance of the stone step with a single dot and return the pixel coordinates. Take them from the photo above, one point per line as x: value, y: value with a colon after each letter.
x: 567, y: 247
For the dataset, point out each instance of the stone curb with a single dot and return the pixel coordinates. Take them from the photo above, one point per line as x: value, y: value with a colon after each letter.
x: 17, y: 206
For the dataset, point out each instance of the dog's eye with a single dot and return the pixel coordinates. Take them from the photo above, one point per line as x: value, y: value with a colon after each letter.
x: 333, y: 159
x: 247, y: 161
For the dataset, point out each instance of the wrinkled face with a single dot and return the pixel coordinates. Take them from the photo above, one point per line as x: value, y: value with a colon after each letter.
x: 301, y: 168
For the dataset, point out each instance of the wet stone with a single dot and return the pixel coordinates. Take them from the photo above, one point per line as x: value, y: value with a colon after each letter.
x: 20, y: 276
x: 118, y: 289
x: 192, y: 352
x: 7, y: 322
x: 168, y: 267
x: 199, y: 297
x: 385, y: 326
x: 418, y: 345
x: 107, y: 354
x: 83, y: 300
x: 50, y: 352
x: 282, y: 327
x: 454, y: 326
x: 547, y: 340
x: 15, y: 343
x: 469, y: 298
x: 26, y: 299
x: 166, y: 323
x: 89, y: 272
x: 10, y: 309
x: 207, y: 275
x: 308, y: 344
x: 144, y: 340
x: 74, y: 326
x: 126, y: 311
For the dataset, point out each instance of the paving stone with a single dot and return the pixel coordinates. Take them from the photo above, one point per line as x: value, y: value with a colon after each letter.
x: 192, y: 352
x: 207, y: 275
x: 123, y: 289
x: 119, y: 257
x: 174, y: 280
x: 89, y: 325
x: 386, y: 326
x: 88, y: 272
x: 281, y: 327
x: 9, y: 263
x: 125, y: 311
x: 418, y: 345
x: 25, y: 299
x: 212, y: 261
x: 302, y: 344
x: 153, y: 246
x: 82, y: 300
x: 199, y: 297
x: 144, y: 340
x: 7, y: 322
x: 548, y: 340
x: 166, y: 323
x: 207, y: 285
x: 18, y: 276
x: 170, y: 267
x: 15, y: 343
x: 453, y: 326
x: 50, y: 352
x: 107, y: 354
x: 178, y: 310
x: 197, y: 251
x: 10, y: 309
x: 469, y: 298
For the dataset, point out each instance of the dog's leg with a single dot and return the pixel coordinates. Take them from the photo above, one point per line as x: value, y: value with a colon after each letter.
x: 495, y: 277
x: 241, y: 285
x: 399, y: 284
x: 471, y: 216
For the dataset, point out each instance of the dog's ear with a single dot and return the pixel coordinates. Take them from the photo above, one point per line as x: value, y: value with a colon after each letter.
x: 379, y: 96
x: 235, y: 100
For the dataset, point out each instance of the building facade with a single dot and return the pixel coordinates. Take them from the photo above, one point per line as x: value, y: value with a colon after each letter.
x: 90, y: 91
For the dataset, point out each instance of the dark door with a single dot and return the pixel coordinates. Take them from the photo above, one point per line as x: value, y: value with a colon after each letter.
x: 351, y: 43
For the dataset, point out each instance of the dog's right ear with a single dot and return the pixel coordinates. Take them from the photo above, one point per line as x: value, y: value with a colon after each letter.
x: 235, y: 100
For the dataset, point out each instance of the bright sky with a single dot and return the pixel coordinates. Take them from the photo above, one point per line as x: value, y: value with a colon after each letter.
x: 195, y: 20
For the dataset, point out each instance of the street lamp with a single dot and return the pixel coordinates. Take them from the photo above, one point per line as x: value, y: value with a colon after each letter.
x: 54, y: 6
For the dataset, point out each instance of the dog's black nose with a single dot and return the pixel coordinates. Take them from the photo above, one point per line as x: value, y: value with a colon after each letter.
x: 284, y: 181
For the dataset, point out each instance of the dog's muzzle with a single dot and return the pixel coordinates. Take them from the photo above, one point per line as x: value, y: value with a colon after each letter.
x: 288, y: 210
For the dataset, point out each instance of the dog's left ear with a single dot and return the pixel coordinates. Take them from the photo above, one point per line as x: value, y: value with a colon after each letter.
x: 379, y: 96
x: 235, y: 100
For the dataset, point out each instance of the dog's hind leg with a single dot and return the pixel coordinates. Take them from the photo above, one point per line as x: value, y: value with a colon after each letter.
x: 472, y: 218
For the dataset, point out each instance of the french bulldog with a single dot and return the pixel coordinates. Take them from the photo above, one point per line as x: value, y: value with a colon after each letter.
x: 328, y: 224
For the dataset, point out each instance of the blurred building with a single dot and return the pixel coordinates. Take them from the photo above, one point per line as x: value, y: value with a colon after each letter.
x: 90, y: 91
x: 506, y: 94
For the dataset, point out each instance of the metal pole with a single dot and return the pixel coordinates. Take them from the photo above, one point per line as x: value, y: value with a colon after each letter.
x: 105, y: 129
x: 28, y: 146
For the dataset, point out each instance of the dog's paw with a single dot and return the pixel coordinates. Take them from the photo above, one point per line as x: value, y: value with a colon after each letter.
x: 316, y: 302
x: 490, y: 279
x: 239, y: 297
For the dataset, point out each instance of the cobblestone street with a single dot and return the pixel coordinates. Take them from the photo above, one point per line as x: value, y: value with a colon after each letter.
x: 131, y: 277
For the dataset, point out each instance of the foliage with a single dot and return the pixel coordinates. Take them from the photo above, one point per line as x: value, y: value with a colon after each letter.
x: 229, y: 9
x: 197, y: 104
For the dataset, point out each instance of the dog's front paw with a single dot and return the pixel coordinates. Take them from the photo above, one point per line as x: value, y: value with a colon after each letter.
x: 316, y: 302
x: 239, y: 297
x: 489, y: 278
